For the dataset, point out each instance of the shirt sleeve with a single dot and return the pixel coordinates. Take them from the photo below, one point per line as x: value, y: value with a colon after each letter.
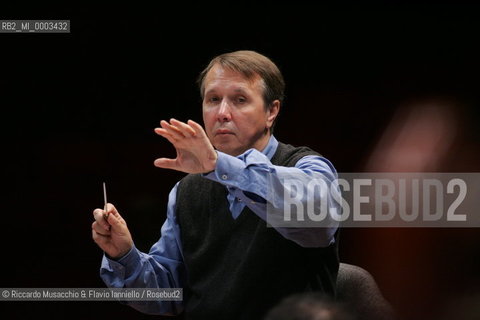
x: 161, y: 267
x: 262, y: 187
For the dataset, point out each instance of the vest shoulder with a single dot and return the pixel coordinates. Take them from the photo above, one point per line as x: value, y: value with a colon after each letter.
x: 198, y: 184
x: 288, y: 155
x: 192, y: 178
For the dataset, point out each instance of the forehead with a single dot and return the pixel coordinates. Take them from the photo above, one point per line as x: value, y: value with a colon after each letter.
x: 224, y: 78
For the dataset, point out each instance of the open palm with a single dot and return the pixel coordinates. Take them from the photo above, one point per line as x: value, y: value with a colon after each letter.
x: 195, y: 153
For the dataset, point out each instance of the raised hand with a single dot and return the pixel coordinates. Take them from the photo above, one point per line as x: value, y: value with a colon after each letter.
x: 110, y: 232
x: 195, y: 153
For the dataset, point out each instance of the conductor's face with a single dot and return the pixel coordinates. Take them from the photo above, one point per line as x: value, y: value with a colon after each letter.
x: 234, y: 111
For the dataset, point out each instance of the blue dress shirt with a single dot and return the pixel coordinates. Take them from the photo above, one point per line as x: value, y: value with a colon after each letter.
x: 245, y: 177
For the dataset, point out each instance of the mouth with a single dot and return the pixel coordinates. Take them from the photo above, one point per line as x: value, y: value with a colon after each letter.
x: 223, y: 132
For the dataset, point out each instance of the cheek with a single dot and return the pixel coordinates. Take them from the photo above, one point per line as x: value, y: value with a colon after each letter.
x: 248, y: 128
x: 208, y: 119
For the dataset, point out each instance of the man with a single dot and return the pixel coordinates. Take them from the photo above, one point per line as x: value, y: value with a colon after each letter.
x: 215, y: 243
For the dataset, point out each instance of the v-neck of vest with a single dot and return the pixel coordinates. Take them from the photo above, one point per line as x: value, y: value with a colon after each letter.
x: 241, y: 217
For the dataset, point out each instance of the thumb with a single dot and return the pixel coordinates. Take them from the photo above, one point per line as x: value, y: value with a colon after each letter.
x: 165, y: 163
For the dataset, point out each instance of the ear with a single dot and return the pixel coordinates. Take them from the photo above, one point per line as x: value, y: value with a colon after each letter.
x: 272, y: 113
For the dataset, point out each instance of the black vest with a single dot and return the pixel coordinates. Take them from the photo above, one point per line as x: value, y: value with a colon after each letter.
x: 239, y: 269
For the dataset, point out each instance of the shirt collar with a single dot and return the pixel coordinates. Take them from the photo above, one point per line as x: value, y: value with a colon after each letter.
x: 271, y: 147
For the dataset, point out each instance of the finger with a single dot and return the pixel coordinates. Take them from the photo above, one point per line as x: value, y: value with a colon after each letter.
x: 115, y: 220
x: 100, y: 229
x: 172, y: 130
x: 201, y: 133
x: 166, y: 135
x: 119, y: 226
x: 165, y: 163
x: 99, y: 239
x: 112, y: 211
x: 186, y: 130
x: 195, y: 126
x: 99, y: 215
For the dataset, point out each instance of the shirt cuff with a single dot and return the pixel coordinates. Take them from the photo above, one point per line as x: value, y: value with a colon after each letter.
x: 126, y: 264
x: 226, y: 169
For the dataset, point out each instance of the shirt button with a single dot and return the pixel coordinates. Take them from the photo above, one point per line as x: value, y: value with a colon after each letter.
x: 224, y: 177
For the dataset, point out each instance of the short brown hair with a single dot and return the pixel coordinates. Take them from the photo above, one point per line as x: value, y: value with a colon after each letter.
x: 249, y: 63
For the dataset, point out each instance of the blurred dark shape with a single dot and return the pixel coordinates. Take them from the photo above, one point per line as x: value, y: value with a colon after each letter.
x: 309, y: 306
x: 419, y: 138
x: 463, y: 308
x: 359, y: 292
x: 421, y: 269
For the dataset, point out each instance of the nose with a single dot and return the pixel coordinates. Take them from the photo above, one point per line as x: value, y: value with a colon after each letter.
x: 224, y: 114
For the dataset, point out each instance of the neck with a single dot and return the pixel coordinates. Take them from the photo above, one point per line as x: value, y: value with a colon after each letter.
x: 260, y: 144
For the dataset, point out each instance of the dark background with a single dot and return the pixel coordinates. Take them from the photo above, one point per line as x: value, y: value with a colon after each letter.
x: 78, y: 109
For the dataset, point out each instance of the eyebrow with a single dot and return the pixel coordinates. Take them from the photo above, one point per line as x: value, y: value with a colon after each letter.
x: 241, y: 90
x: 236, y: 90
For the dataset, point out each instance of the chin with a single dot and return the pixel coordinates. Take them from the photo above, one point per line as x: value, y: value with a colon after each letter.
x: 225, y: 149
x: 230, y: 150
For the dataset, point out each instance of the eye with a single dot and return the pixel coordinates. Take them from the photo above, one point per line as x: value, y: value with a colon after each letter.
x: 213, y: 99
x: 241, y: 99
